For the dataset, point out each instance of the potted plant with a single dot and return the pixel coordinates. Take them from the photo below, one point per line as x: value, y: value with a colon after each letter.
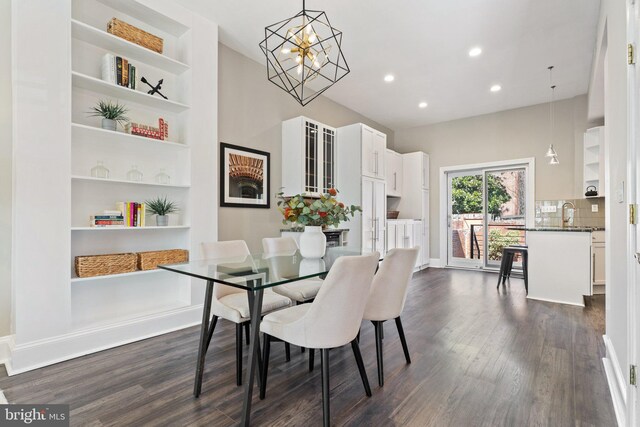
x: 314, y: 215
x: 111, y: 114
x: 161, y: 207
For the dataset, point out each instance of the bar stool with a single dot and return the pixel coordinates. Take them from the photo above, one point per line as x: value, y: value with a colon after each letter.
x: 508, y: 255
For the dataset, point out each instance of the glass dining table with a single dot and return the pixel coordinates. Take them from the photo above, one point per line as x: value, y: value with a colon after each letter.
x: 252, y: 273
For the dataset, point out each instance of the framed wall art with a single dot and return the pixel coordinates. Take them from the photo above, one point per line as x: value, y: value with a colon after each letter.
x: 244, y: 177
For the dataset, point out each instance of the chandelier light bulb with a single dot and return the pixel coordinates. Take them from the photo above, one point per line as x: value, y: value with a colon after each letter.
x: 286, y: 50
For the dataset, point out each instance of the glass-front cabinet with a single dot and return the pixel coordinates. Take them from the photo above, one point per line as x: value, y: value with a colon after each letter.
x: 308, y: 157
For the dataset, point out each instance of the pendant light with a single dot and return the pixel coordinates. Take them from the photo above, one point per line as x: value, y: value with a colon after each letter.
x: 303, y: 54
x: 551, y: 152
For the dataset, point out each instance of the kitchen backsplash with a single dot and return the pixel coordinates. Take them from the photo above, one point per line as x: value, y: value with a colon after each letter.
x: 583, y: 215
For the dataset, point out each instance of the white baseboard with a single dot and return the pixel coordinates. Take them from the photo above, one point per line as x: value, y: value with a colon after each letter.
x: 555, y: 301
x: 36, y: 354
x: 616, y: 381
x: 435, y: 263
x: 6, y: 344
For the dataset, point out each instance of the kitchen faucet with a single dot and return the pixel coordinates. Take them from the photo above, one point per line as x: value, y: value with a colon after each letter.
x: 565, y: 220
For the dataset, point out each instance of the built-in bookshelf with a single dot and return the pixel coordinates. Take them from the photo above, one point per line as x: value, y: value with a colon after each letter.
x: 593, y: 160
x: 55, y: 193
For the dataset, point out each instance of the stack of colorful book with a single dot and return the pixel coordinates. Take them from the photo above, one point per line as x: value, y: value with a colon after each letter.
x: 133, y: 213
x: 161, y: 132
x: 119, y: 71
x: 107, y: 218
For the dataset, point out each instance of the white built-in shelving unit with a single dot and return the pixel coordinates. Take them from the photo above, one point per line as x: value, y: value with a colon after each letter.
x: 593, y: 159
x: 55, y: 193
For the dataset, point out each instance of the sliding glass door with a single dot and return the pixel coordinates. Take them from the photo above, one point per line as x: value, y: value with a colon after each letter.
x: 484, y: 205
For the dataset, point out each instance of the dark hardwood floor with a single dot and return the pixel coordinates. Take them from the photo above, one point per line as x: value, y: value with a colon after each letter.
x: 481, y: 357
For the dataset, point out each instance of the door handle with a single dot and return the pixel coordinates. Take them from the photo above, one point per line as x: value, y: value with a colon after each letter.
x: 375, y: 162
x: 395, y: 180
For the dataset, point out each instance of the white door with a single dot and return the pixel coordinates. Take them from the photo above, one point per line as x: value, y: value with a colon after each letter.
x: 418, y: 230
x: 368, y: 216
x: 380, y: 207
x: 425, y: 171
x: 425, y: 228
x: 368, y: 153
x: 379, y: 148
x: 392, y: 233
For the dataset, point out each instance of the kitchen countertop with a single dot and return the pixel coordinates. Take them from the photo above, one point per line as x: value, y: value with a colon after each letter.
x: 566, y: 229
x: 301, y: 229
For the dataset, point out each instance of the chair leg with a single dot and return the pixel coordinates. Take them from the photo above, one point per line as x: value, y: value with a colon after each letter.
x: 247, y: 332
x: 360, y: 363
x: 403, y: 339
x: 326, y: 412
x: 312, y: 354
x: 265, y: 364
x: 239, y: 327
x: 511, y: 258
x: 287, y: 352
x: 525, y: 268
x: 214, y: 322
x: 358, y: 336
x: 378, y: 330
x: 503, y: 262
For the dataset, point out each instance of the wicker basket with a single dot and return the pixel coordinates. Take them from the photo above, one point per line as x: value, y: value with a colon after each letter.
x: 101, y: 265
x: 134, y: 35
x: 393, y: 214
x: 150, y: 260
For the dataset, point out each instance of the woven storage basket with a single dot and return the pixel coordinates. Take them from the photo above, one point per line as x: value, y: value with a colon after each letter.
x: 134, y: 35
x: 150, y: 260
x: 101, y: 265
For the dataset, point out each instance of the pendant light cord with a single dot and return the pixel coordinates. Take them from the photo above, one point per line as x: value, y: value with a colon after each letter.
x: 551, y: 107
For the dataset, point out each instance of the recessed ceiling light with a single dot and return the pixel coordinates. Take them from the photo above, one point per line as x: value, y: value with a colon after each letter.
x: 496, y: 88
x: 389, y: 78
x: 475, y: 52
x: 423, y: 104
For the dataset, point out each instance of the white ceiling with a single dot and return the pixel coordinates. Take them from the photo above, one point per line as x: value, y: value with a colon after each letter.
x: 425, y: 44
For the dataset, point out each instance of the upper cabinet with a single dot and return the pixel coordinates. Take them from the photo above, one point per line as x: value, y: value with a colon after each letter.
x: 308, y: 156
x: 594, y: 160
x: 393, y: 165
x: 416, y: 169
x: 374, y: 147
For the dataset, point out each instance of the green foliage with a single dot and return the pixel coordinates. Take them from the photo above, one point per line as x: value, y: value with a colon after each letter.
x: 467, y: 194
x: 304, y: 210
x: 160, y: 206
x: 497, y: 241
x: 111, y: 111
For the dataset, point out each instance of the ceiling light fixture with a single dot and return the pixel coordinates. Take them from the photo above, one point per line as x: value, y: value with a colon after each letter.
x: 495, y: 88
x: 303, y: 53
x: 423, y: 105
x: 476, y: 51
x: 551, y: 152
x: 389, y: 78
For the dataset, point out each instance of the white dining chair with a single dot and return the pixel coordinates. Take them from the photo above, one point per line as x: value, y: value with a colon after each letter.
x: 332, y: 320
x: 388, y: 295
x: 232, y: 303
x: 300, y: 291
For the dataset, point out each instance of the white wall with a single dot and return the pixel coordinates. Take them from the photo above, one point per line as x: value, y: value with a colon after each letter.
x: 5, y: 169
x: 512, y: 134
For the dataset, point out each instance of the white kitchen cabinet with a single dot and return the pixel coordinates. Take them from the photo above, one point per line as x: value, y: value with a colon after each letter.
x: 308, y: 156
x: 361, y: 182
x: 405, y: 233
x: 593, y: 160
x: 597, y: 262
x: 374, y: 209
x: 424, y: 243
x: 374, y: 147
x: 393, y: 172
x: 416, y: 166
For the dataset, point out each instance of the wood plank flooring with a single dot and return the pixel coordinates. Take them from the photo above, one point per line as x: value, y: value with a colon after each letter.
x: 481, y: 357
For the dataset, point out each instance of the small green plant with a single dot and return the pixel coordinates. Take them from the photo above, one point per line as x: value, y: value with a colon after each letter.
x: 324, y: 211
x: 160, y: 206
x: 111, y: 111
x: 498, y: 240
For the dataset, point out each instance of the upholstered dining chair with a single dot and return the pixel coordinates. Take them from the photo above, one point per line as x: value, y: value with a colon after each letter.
x: 300, y: 291
x: 332, y: 320
x: 387, y: 297
x: 232, y: 303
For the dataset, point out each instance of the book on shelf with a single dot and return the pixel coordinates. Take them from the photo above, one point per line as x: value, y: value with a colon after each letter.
x: 118, y: 71
x: 161, y: 132
x: 133, y: 213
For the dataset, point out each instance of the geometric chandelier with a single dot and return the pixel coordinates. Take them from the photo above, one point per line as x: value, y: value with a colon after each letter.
x: 303, y: 54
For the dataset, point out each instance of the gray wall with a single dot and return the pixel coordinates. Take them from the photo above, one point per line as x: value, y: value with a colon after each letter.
x: 5, y: 169
x: 251, y: 111
x: 512, y: 134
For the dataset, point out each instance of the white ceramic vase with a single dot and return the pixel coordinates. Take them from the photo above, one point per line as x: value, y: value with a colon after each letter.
x: 313, y: 242
x: 109, y: 124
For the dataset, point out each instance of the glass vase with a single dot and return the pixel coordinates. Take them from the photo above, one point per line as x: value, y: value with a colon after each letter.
x: 163, y: 178
x: 99, y: 171
x: 134, y: 174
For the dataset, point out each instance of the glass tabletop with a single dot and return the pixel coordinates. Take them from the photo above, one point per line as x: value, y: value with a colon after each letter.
x: 259, y: 270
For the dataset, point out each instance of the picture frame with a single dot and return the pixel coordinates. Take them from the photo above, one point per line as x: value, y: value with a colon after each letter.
x: 245, y: 177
